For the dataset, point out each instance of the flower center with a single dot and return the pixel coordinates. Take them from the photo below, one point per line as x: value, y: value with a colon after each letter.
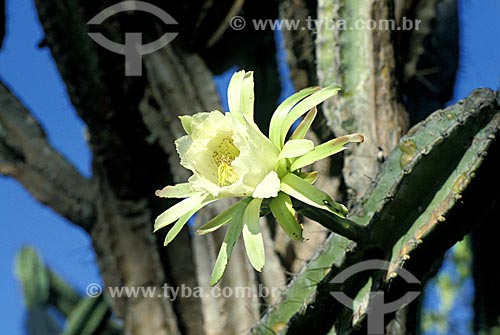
x: 223, y: 157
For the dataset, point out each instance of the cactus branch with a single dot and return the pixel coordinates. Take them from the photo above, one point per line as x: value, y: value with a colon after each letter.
x: 26, y: 155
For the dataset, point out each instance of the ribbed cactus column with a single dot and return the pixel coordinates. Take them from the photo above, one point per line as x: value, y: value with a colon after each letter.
x: 362, y: 61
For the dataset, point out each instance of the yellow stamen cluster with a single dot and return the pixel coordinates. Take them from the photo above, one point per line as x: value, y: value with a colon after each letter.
x: 223, y: 157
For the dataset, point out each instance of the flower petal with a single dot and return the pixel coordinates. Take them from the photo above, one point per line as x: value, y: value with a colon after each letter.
x: 247, y: 96
x: 301, y: 190
x: 240, y: 95
x: 226, y: 249
x: 304, y: 106
x: 281, y: 112
x: 180, y: 209
x: 220, y: 220
x: 268, y: 187
x: 182, y: 146
x: 177, y: 191
x: 234, y: 91
x: 296, y: 148
x: 186, y: 121
x: 283, y: 211
x: 325, y: 149
x: 174, y: 231
x: 305, y: 124
x: 252, y: 237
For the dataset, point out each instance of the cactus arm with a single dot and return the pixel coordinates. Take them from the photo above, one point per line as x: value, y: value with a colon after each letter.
x: 420, y: 181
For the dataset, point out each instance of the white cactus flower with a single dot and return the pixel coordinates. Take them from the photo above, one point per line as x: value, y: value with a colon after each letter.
x: 230, y: 157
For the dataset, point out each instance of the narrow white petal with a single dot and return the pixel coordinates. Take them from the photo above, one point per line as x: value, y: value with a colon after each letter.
x: 234, y: 91
x: 247, y: 96
x: 252, y: 237
x: 176, y: 211
x: 176, y: 191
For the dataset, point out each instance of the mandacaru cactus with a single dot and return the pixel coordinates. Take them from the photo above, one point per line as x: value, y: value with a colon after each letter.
x: 425, y: 198
x: 43, y: 289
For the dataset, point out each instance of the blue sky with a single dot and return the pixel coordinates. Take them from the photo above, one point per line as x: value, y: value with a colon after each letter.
x: 31, y: 74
